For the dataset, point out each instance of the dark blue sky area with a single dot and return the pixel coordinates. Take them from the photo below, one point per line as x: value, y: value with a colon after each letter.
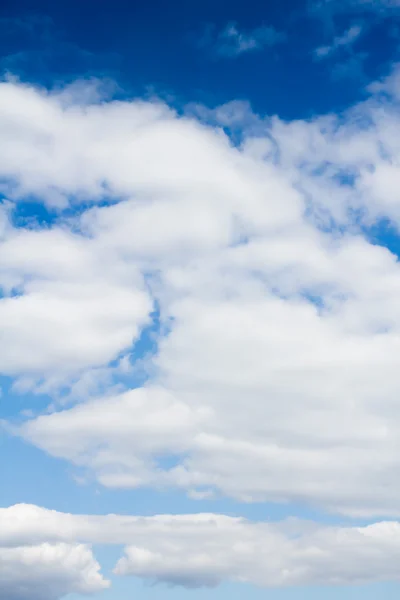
x: 171, y: 48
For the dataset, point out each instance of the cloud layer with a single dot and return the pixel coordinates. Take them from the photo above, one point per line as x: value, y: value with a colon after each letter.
x: 187, y: 550
x: 275, y: 372
x: 274, y: 305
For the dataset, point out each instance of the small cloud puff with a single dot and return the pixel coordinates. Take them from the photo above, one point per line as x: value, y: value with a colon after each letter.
x: 345, y: 40
x: 231, y: 42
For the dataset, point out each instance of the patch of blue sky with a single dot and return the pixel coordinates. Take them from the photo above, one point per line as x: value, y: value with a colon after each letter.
x: 345, y: 177
x: 384, y: 233
x: 38, y: 210
x: 143, y: 350
x: 130, y: 587
x: 131, y: 53
x: 17, y: 403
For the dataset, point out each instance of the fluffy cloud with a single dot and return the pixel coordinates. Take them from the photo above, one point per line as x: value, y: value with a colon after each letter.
x: 67, y: 306
x: 48, y: 571
x: 268, y: 555
x: 194, y: 550
x: 275, y: 376
x: 74, y: 295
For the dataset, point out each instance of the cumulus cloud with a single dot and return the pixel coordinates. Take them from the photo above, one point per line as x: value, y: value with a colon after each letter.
x: 67, y: 306
x: 275, y: 374
x: 48, y: 571
x: 193, y: 550
x: 83, y: 303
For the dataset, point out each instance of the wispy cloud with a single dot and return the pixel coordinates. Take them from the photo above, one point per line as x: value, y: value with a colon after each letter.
x: 378, y: 5
x: 342, y: 6
x: 346, y: 40
x: 326, y: 11
x: 231, y: 41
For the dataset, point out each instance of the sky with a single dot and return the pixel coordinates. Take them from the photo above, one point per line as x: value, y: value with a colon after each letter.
x: 199, y: 315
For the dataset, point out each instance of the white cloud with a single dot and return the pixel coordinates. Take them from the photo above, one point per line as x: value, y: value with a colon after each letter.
x: 278, y: 377
x: 82, y: 303
x: 268, y: 555
x: 194, y: 550
x: 48, y: 571
x: 68, y: 305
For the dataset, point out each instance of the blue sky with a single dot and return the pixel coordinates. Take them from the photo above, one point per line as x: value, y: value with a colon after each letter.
x: 199, y: 279
x: 179, y: 53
